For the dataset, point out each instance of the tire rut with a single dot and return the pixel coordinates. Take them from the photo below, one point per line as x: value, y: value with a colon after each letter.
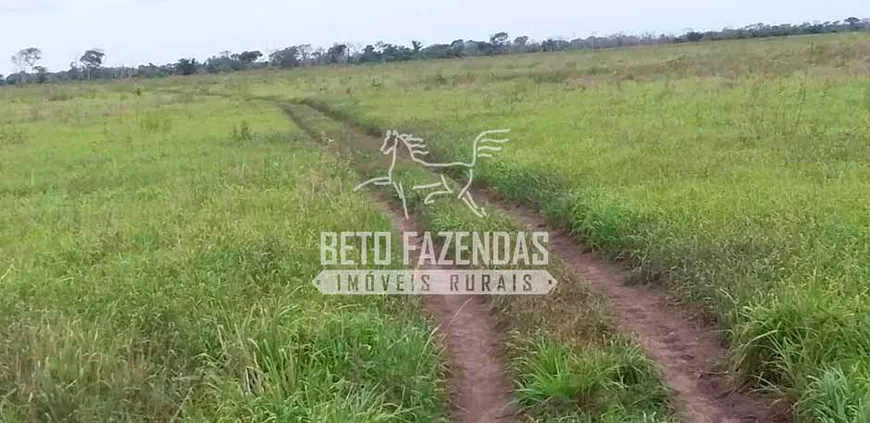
x: 687, y: 352
x: 480, y: 390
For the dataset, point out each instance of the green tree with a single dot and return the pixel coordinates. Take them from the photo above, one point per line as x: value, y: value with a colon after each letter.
x: 25, y: 60
x: 286, y: 58
x: 41, y: 74
x: 457, y: 48
x: 249, y: 57
x: 223, y: 63
x: 74, y: 71
x: 92, y: 60
x: 186, y: 66
x: 305, y: 53
x: 337, y: 53
x: 369, y: 54
x: 499, y: 41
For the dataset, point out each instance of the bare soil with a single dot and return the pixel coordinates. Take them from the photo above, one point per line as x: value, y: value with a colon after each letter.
x: 687, y: 350
x: 480, y: 390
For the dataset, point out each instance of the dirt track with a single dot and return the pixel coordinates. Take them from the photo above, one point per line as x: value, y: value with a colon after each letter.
x: 480, y: 390
x: 687, y: 352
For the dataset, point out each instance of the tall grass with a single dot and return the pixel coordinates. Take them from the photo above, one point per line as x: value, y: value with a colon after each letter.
x: 156, y: 258
x: 735, y: 173
x: 567, y: 360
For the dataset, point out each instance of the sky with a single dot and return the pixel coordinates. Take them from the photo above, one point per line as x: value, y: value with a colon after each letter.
x: 134, y: 32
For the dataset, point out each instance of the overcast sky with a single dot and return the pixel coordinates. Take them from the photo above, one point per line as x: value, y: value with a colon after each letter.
x: 134, y: 32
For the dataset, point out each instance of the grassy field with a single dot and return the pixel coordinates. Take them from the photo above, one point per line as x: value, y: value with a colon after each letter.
x: 735, y: 173
x: 156, y: 258
x: 577, y: 369
x: 167, y: 239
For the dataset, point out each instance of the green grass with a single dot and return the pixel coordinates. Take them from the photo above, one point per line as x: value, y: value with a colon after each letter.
x: 156, y: 258
x: 564, y: 369
x: 735, y: 173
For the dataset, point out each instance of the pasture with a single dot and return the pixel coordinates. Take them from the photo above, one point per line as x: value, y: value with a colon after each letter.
x: 158, y: 237
x: 733, y: 173
x: 157, y: 255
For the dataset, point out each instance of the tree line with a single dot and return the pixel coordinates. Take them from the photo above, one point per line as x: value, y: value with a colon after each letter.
x: 90, y: 65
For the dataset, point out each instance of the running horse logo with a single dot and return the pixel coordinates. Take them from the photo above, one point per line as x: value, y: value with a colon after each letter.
x: 416, y: 149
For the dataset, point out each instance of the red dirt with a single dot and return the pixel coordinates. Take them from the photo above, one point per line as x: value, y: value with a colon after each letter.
x: 687, y: 352
x: 480, y: 390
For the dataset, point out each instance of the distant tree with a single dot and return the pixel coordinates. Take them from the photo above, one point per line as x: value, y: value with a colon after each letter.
x: 236, y: 62
x: 520, y: 43
x: 457, y: 48
x: 25, y: 60
x: 92, y: 60
x: 693, y: 36
x: 14, y: 79
x: 186, y: 66
x: 478, y: 48
x: 436, y: 51
x: 91, y: 64
x: 550, y: 44
x: 222, y: 63
x: 369, y: 55
x: 74, y: 72
x: 286, y: 58
x: 305, y: 54
x: 151, y: 71
x: 41, y: 74
x: 249, y: 57
x: 353, y: 51
x: 319, y: 56
x: 337, y: 53
x: 499, y: 41
x: 393, y: 53
x: 2, y: 79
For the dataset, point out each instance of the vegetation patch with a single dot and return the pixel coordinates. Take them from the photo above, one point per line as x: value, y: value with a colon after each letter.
x: 741, y: 189
x: 153, y: 268
x: 567, y: 359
